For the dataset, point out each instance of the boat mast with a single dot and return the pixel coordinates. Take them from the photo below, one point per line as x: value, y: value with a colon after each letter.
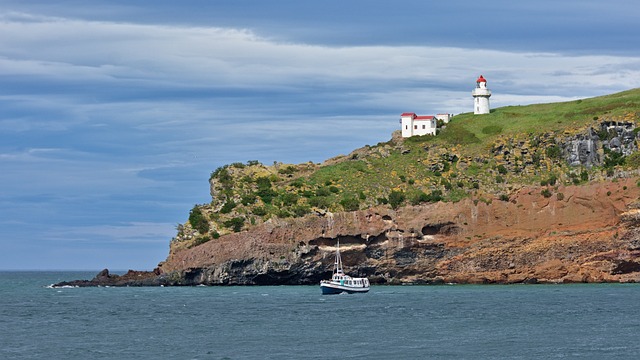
x: 337, y: 267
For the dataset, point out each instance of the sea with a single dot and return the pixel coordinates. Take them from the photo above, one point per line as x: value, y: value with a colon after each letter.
x: 578, y: 321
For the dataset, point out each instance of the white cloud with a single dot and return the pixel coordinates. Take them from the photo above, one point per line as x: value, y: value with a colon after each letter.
x: 181, y: 56
x: 100, y: 117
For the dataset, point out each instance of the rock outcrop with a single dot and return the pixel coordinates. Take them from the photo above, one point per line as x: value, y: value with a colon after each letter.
x: 131, y: 278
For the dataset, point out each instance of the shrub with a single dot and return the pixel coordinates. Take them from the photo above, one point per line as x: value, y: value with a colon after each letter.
x: 350, y: 203
x: 499, y: 179
x: 435, y: 196
x: 308, y: 193
x: 553, y: 152
x: 201, y: 240
x: 289, y: 199
x: 419, y: 198
x: 502, y: 169
x: 612, y: 159
x: 259, y: 211
x: 584, y: 175
x: 197, y: 220
x: 319, y: 202
x: 396, y: 198
x: 633, y: 160
x: 287, y: 170
x: 248, y: 199
x: 235, y: 224
x: 535, y: 159
x: 560, y: 196
x: 228, y: 207
x: 504, y: 197
x: 323, y: 191
x: 546, y: 193
x: 265, y: 192
x: 300, y: 210
x: 298, y: 183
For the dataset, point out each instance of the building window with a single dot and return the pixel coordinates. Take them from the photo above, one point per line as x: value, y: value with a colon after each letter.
x: 415, y: 127
x: 423, y: 127
x: 406, y: 127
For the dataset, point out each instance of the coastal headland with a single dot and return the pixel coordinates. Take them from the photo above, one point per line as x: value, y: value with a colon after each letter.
x: 544, y: 193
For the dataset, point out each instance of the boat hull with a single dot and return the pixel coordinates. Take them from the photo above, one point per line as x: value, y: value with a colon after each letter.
x: 332, y: 289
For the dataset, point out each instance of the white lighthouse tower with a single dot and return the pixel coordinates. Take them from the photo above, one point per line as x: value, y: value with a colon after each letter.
x: 481, y: 97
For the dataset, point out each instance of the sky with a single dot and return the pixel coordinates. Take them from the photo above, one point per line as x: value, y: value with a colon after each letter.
x: 113, y: 114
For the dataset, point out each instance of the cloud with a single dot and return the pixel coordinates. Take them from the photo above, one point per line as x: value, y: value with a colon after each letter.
x: 109, y: 128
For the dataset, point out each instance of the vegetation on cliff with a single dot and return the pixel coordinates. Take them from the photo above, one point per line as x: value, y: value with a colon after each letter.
x: 483, y: 157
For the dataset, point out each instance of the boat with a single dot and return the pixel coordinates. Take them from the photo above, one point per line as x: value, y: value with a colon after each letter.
x: 341, y: 282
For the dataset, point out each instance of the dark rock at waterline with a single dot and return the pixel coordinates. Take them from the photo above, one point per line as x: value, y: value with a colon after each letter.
x: 131, y: 278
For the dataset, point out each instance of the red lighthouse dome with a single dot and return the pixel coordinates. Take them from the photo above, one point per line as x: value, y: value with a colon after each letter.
x: 481, y: 79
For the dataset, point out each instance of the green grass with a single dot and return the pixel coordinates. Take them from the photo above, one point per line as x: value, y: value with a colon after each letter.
x: 458, y: 163
x: 550, y: 117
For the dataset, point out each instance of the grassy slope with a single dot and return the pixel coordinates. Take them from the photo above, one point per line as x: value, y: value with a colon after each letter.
x: 461, y: 161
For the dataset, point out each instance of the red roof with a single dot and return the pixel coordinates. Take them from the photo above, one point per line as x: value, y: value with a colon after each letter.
x: 426, y: 117
x: 408, y: 114
x: 481, y: 79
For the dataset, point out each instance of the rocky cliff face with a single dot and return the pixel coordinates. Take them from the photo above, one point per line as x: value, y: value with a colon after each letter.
x: 585, y: 233
x: 587, y: 149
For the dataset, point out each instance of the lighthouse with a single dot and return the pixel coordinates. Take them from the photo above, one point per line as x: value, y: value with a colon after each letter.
x: 481, y: 97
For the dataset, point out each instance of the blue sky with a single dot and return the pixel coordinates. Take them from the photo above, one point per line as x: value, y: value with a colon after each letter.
x: 113, y: 115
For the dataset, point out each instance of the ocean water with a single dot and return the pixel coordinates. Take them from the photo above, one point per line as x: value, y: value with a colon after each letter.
x: 591, y: 321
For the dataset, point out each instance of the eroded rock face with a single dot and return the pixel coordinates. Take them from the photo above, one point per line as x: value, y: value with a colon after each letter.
x: 589, y: 234
x: 587, y: 149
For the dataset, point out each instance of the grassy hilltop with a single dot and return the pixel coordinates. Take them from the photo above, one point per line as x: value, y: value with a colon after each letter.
x: 484, y: 157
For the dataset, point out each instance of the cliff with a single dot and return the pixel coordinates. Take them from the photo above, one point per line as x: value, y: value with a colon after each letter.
x: 534, y: 194
x: 589, y: 234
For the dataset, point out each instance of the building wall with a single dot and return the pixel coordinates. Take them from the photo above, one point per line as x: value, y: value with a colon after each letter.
x: 407, y: 126
x: 444, y: 117
x: 424, y: 127
x: 416, y: 127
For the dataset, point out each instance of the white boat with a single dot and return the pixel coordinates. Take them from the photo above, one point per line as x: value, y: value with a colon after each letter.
x: 341, y: 282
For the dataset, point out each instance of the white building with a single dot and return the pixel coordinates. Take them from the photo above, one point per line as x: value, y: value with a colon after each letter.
x: 481, y: 97
x: 444, y: 117
x: 413, y: 125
